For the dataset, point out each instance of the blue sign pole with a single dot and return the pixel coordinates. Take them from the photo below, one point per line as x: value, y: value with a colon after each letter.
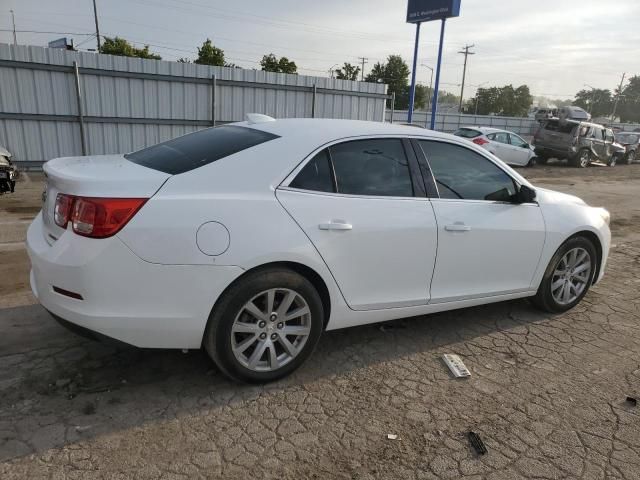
x: 434, y: 103
x: 412, y: 91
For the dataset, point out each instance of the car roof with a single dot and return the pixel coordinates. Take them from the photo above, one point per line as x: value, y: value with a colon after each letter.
x: 487, y: 130
x: 323, y: 130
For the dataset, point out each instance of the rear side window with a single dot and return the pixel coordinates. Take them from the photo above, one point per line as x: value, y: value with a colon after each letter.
x: 316, y: 175
x: 467, y: 133
x: 376, y: 167
x: 197, y: 149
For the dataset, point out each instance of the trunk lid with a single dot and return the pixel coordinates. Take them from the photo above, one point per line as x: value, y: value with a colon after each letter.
x: 556, y: 135
x: 95, y: 176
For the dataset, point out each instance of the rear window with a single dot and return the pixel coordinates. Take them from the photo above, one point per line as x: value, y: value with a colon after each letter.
x: 197, y: 149
x: 556, y: 126
x: 468, y: 133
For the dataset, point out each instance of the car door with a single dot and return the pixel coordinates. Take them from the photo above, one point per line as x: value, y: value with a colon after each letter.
x: 500, y: 146
x: 597, y: 142
x: 363, y: 205
x: 487, y: 244
x: 520, y: 150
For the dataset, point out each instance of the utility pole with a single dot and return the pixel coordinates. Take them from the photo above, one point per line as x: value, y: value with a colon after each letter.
x: 466, y: 53
x: 364, y: 60
x: 615, y: 105
x: 13, y: 20
x: 95, y: 15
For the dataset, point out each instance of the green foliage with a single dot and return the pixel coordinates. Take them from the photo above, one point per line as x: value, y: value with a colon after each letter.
x: 395, y: 73
x: 598, y: 102
x: 184, y: 60
x: 122, y: 48
x: 507, y: 101
x: 209, y: 54
x: 348, y: 72
x: 629, y: 105
x: 271, y: 63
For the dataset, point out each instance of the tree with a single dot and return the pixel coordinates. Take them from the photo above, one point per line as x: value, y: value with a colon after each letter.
x: 209, y: 54
x: 629, y: 104
x: 271, y: 63
x: 120, y: 47
x: 348, y: 72
x: 508, y: 101
x: 184, y: 60
x: 597, y: 101
x: 395, y: 73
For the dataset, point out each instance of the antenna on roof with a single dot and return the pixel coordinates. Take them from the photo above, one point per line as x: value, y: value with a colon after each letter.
x: 258, y: 118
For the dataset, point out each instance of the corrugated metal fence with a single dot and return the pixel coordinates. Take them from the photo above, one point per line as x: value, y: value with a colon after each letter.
x: 128, y: 103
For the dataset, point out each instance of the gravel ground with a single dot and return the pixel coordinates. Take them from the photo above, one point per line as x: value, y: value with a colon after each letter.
x: 547, y: 392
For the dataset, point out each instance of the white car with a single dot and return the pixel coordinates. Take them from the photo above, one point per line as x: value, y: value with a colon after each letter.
x: 250, y: 239
x: 507, y: 146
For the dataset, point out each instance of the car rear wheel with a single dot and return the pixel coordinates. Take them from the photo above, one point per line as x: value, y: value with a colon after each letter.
x: 532, y: 162
x: 583, y: 159
x: 265, y: 326
x: 568, y: 276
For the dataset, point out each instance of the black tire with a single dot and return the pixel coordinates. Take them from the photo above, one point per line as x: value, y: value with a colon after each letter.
x: 613, y: 161
x: 630, y: 158
x: 217, y: 339
x: 542, y: 159
x: 582, y: 159
x: 544, y: 299
x: 532, y: 162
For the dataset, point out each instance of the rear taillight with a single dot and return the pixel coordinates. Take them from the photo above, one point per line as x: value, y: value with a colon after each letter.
x: 62, y: 209
x: 480, y: 141
x: 95, y: 217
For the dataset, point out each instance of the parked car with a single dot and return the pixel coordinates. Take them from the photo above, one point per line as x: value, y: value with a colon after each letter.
x: 8, y: 172
x: 573, y: 113
x: 544, y: 113
x: 631, y: 143
x: 250, y: 239
x: 579, y: 142
x: 507, y: 146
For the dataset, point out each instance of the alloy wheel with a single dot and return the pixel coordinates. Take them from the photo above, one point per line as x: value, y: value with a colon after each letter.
x: 571, y: 276
x: 584, y: 158
x: 271, y: 329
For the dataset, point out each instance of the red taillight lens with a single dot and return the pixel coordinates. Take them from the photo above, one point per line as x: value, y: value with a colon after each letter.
x: 62, y: 209
x: 480, y: 141
x: 103, y: 217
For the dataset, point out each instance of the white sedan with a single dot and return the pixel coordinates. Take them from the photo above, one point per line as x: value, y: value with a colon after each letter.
x: 507, y: 146
x: 250, y: 239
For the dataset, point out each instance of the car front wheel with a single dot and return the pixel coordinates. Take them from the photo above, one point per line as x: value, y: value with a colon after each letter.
x: 568, y: 276
x: 265, y: 326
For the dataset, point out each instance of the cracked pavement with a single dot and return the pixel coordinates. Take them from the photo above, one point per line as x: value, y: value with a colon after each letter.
x: 547, y: 392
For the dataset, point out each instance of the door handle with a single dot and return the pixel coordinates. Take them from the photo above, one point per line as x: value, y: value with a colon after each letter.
x: 457, y: 227
x: 335, y: 225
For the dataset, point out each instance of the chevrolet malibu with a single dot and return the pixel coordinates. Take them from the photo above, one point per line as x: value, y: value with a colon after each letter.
x: 250, y: 239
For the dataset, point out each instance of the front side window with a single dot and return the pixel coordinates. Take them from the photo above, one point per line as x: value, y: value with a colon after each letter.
x: 376, y: 167
x: 517, y: 141
x: 461, y: 173
x: 500, y: 137
x: 197, y: 149
x: 597, y: 134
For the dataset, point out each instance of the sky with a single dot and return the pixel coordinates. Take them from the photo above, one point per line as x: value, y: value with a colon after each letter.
x: 556, y: 47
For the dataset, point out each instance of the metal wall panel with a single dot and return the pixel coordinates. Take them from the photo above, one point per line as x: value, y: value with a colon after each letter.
x: 124, y: 110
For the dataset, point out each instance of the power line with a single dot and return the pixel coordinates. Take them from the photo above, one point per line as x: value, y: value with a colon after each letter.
x: 466, y: 53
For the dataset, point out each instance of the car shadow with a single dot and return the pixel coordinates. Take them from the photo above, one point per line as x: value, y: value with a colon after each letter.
x: 57, y: 388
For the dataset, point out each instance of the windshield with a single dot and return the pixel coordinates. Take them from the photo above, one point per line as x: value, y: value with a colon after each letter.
x: 468, y: 133
x: 197, y: 149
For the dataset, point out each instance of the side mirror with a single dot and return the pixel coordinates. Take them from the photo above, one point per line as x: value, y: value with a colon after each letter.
x: 526, y: 146
x: 526, y: 194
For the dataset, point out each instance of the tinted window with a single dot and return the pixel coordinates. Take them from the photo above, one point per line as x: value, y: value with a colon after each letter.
x: 372, y: 167
x: 462, y: 173
x: 197, y: 149
x: 597, y: 133
x: 517, y: 141
x: 316, y: 175
x: 467, y: 133
x: 556, y: 126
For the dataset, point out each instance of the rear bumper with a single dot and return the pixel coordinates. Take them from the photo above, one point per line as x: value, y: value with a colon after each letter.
x: 555, y: 152
x: 124, y: 297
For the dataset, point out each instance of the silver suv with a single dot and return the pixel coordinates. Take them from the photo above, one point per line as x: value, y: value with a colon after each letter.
x: 579, y: 142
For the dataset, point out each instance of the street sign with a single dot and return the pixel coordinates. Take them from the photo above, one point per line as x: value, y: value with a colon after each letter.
x: 428, y: 10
